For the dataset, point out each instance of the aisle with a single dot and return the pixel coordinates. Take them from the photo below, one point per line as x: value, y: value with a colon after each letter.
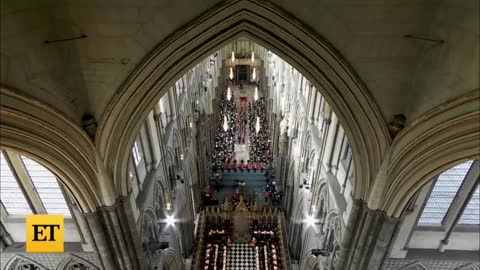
x: 254, y: 183
x: 241, y: 256
x: 241, y: 152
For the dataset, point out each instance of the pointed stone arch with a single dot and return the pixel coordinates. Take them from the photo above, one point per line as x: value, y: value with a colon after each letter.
x: 73, y: 262
x: 414, y: 266
x: 469, y: 266
x: 309, y: 262
x: 276, y: 30
x: 19, y: 262
x: 440, y: 139
x: 172, y: 260
x: 37, y: 130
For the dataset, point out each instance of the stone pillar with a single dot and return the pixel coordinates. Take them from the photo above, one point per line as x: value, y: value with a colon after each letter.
x: 366, y: 239
x: 5, y: 238
x: 295, y: 239
x: 113, y: 234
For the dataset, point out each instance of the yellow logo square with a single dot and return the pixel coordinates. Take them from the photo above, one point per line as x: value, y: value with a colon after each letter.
x: 44, y: 233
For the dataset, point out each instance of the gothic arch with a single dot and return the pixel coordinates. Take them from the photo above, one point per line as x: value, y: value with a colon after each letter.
x: 414, y: 266
x: 469, y: 266
x: 18, y: 262
x: 148, y: 233
x: 272, y: 28
x: 438, y: 140
x: 37, y: 130
x: 172, y: 260
x: 73, y: 262
x: 171, y: 158
x: 334, y: 222
x: 310, y: 262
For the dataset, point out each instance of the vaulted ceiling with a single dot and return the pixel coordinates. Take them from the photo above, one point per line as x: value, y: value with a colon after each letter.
x: 404, y: 75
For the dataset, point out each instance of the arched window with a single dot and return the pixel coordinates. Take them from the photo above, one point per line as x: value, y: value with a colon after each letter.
x: 471, y: 214
x: 443, y: 194
x: 137, y: 156
x: 47, y: 188
x: 28, y: 187
x: 12, y: 196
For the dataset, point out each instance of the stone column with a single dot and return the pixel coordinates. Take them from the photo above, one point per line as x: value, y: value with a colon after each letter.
x: 366, y: 238
x: 5, y: 238
x: 295, y: 238
x: 113, y: 234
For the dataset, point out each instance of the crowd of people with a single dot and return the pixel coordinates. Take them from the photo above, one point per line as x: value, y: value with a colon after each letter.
x: 218, y: 251
x: 259, y: 141
x: 266, y: 242
x: 217, y: 239
x: 225, y: 139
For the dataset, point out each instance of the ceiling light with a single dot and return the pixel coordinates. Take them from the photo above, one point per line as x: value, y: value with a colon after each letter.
x: 255, y: 96
x: 310, y: 220
x: 254, y: 74
x: 170, y: 220
x: 233, y: 57
x: 257, y: 125
x: 253, y: 57
x: 231, y: 74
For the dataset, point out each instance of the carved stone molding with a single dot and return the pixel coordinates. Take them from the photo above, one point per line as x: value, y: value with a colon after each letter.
x: 113, y: 234
x: 19, y: 262
x: 74, y: 262
x: 272, y: 28
x: 436, y: 141
x: 35, y: 129
x: 365, y: 239
x: 414, y: 266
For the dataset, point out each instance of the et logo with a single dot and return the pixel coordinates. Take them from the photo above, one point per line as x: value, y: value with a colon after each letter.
x: 44, y: 233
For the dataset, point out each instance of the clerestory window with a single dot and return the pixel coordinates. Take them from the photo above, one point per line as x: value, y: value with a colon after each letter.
x: 443, y: 193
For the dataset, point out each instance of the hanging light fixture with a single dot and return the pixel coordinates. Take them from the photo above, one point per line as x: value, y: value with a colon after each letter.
x: 231, y: 74
x: 233, y: 57
x: 253, y: 57
x: 255, y: 96
x: 229, y: 94
x: 225, y: 124
x: 254, y: 74
x: 257, y: 125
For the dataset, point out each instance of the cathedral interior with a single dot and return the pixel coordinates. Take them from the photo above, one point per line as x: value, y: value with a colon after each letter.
x: 242, y: 134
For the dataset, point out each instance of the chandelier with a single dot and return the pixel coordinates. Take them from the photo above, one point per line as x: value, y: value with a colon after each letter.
x: 225, y: 123
x: 257, y: 125
x: 255, y: 96
x: 231, y: 74
x: 233, y: 57
x: 229, y: 94
x: 253, y: 57
x: 254, y: 74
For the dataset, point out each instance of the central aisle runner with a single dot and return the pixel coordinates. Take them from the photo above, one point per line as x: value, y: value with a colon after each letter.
x: 241, y: 256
